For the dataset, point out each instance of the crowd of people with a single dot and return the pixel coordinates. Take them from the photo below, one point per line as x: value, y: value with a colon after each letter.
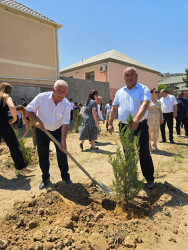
x: 53, y: 112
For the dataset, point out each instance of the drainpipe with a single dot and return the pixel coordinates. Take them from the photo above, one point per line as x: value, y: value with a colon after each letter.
x: 57, y: 53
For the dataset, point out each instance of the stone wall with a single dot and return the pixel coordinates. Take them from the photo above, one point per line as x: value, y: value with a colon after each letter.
x: 78, y: 90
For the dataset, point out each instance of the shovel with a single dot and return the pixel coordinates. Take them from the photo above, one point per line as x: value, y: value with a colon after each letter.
x: 102, y: 186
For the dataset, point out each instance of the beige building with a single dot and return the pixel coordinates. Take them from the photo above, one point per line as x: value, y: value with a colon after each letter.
x: 108, y: 67
x: 28, y: 46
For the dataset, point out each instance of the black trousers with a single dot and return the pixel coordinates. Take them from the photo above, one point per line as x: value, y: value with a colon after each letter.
x: 8, y: 135
x: 168, y: 118
x: 184, y: 120
x: 43, y: 142
x: 146, y: 162
x: 71, y: 115
x: 107, y: 118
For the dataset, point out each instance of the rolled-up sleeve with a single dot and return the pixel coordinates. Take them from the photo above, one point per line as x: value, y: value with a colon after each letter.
x: 145, y: 95
x: 174, y: 102
x: 116, y: 99
x: 34, y: 104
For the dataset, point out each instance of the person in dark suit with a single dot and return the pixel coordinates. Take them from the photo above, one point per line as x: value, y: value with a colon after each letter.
x: 181, y: 114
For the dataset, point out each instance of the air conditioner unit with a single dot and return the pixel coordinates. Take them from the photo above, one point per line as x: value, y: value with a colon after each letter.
x: 103, y: 68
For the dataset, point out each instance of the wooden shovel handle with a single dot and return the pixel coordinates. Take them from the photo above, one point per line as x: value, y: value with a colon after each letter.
x: 70, y: 156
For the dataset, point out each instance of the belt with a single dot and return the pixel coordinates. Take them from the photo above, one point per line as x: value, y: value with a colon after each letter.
x: 145, y: 120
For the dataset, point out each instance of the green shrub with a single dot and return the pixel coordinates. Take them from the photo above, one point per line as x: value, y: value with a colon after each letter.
x: 77, y: 121
x: 162, y: 86
x: 99, y: 126
x: 26, y: 152
x: 124, y: 164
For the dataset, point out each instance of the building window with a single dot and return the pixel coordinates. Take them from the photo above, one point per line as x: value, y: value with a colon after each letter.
x: 90, y: 76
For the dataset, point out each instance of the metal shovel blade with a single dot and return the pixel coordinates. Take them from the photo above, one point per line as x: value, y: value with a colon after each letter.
x: 105, y: 188
x: 102, y: 186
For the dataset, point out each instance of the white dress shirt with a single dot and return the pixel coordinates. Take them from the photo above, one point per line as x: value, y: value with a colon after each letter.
x: 53, y: 116
x: 99, y: 112
x: 108, y: 109
x: 130, y: 100
x: 167, y: 103
x: 72, y: 105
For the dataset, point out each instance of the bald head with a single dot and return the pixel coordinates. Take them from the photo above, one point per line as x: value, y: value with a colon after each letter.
x: 130, y: 77
x: 129, y: 69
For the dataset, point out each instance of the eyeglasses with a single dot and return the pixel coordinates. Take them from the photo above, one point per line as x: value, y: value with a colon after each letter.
x: 154, y: 92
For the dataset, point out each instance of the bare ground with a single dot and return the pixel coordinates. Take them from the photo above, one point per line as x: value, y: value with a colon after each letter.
x: 81, y: 216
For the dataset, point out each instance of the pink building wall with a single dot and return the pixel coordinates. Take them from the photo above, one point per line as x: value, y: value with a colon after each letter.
x: 114, y: 75
x: 116, y: 80
x: 80, y: 73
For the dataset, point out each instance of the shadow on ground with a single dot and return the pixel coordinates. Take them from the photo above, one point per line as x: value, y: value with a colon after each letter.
x: 75, y: 192
x: 178, y: 198
x: 21, y: 182
x: 163, y: 152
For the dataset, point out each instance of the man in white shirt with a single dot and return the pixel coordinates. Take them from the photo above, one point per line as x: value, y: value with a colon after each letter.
x: 134, y: 98
x: 51, y: 110
x: 169, y: 110
x: 72, y: 109
x: 107, y: 112
x: 99, y: 102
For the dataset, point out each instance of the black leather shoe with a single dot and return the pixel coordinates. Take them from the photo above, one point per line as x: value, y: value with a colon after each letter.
x: 82, y: 147
x: 162, y: 141
x: 150, y: 184
x: 43, y: 183
x: 171, y: 141
x: 93, y: 149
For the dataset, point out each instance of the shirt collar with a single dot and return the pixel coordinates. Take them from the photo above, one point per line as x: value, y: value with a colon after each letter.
x: 50, y: 96
x: 135, y: 86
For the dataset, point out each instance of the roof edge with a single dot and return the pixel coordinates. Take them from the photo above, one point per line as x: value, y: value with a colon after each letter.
x: 106, y: 60
x: 25, y: 14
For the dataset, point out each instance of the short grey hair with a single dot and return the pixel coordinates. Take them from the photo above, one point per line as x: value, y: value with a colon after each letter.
x: 164, y: 90
x: 60, y: 83
x: 129, y: 68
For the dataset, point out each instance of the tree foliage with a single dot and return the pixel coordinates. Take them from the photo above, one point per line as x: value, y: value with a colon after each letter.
x: 162, y: 86
x: 124, y: 164
x: 185, y: 79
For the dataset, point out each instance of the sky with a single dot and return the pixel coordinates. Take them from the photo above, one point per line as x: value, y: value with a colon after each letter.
x: 151, y: 32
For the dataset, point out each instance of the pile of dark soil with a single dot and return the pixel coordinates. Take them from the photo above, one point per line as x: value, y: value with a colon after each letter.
x: 82, y: 217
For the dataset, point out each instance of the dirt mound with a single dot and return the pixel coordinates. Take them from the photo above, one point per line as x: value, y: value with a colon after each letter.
x: 82, y: 217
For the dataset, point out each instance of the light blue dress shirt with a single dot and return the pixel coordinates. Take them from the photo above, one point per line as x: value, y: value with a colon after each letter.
x: 130, y: 100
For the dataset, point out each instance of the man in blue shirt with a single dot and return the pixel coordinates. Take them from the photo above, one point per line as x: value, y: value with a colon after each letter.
x: 135, y: 98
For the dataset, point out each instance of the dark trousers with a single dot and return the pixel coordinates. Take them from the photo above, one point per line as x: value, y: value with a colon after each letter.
x: 182, y: 119
x: 43, y: 142
x: 146, y: 162
x: 71, y: 115
x: 20, y: 123
x: 107, y: 118
x: 8, y: 135
x: 168, y: 118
